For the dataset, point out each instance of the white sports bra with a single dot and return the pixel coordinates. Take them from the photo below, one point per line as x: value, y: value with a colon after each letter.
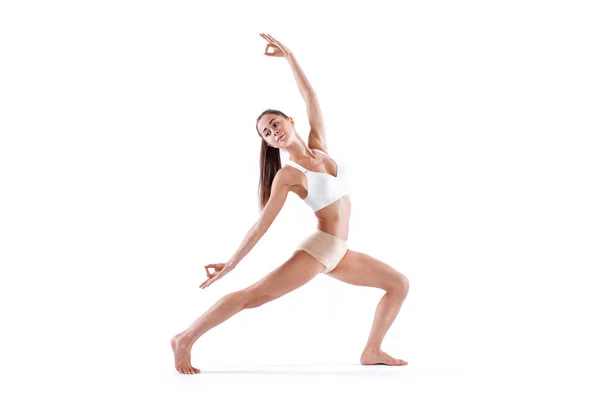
x: 323, y: 189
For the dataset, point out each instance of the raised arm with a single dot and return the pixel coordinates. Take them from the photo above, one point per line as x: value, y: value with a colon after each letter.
x: 316, y: 137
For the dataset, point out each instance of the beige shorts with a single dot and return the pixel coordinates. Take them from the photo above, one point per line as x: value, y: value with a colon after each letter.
x: 326, y: 248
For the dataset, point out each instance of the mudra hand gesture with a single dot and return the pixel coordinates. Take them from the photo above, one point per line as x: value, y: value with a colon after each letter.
x: 279, y: 50
x: 221, y: 269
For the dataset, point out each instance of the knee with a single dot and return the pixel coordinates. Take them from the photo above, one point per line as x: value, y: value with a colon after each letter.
x: 400, y: 286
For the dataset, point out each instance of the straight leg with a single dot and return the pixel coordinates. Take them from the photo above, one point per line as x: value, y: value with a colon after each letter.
x: 292, y: 274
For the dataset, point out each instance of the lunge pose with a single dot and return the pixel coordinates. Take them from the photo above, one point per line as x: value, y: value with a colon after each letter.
x: 314, y: 177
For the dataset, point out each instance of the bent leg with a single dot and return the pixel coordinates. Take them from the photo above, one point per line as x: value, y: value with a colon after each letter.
x: 295, y: 272
x: 363, y: 270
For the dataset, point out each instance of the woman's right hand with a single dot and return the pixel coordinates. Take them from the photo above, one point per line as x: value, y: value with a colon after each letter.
x: 220, y: 270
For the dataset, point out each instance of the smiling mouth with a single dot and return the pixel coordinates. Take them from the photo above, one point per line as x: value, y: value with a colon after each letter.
x: 281, y: 138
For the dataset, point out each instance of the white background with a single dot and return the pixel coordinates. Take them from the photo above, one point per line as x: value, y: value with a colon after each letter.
x: 129, y: 159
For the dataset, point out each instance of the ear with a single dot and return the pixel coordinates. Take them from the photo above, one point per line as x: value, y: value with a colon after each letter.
x: 292, y: 120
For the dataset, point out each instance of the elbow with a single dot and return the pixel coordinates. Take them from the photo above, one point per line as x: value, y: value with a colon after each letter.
x: 310, y: 95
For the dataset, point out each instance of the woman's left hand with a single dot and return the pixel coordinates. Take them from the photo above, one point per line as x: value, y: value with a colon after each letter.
x: 279, y: 50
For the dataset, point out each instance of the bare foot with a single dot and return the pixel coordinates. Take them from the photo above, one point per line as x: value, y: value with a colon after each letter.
x: 374, y: 357
x: 181, y: 351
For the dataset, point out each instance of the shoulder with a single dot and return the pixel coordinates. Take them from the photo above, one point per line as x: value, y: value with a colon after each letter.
x: 285, y: 176
x: 289, y: 178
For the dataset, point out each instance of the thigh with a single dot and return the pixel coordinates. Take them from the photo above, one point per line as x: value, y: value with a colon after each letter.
x: 363, y: 270
x: 299, y: 269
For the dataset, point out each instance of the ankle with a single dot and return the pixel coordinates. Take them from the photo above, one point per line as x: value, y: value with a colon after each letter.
x: 183, y: 339
x: 372, y: 349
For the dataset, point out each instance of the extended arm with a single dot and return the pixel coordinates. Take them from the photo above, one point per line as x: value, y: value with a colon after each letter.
x: 279, y: 192
x: 316, y: 137
x: 306, y: 89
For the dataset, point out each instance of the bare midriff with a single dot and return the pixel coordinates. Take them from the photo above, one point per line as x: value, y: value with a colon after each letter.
x: 335, y: 218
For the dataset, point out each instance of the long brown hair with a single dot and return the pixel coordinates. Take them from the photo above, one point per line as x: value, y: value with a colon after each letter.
x: 270, y: 163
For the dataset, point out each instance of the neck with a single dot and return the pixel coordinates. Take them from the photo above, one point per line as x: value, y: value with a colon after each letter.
x: 299, y: 150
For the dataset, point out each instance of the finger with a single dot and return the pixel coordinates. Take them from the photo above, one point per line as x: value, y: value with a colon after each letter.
x: 276, y: 52
x: 272, y: 46
x: 278, y: 43
x: 212, y: 279
x: 273, y: 40
x: 265, y: 37
x: 211, y: 266
x: 216, y: 278
x: 203, y: 283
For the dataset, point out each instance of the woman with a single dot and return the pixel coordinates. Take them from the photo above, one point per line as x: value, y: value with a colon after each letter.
x: 314, y: 177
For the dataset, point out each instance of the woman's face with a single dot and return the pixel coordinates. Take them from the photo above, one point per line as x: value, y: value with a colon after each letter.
x: 275, y: 129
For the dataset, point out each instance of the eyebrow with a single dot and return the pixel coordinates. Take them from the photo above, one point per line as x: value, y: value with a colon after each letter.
x: 269, y: 124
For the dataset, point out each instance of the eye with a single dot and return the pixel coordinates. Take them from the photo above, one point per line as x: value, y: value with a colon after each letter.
x: 275, y: 124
